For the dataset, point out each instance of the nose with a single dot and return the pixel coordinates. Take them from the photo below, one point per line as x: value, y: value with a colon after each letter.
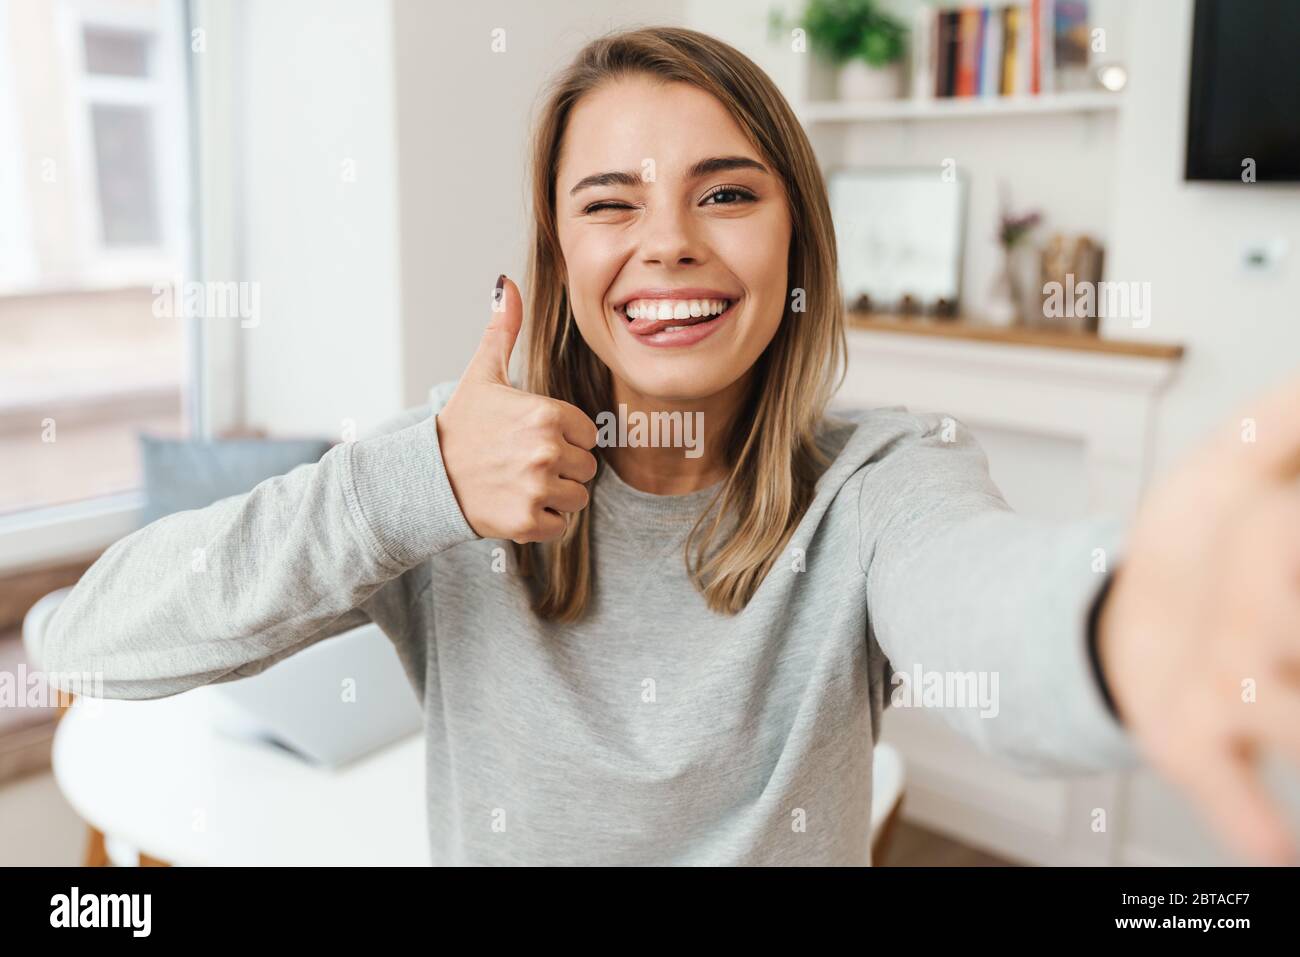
x: 669, y: 237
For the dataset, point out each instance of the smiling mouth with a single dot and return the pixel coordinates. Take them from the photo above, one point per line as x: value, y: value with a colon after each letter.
x: 647, y: 317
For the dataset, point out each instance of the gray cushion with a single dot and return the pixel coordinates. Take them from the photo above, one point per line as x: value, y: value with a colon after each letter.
x: 181, y: 474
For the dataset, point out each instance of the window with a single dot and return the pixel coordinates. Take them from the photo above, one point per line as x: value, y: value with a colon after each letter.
x: 124, y: 175
x: 93, y: 104
x: 117, y: 52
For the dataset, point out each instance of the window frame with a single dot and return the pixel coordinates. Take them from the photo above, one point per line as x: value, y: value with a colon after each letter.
x: 50, y: 535
x: 17, y: 254
x: 164, y: 93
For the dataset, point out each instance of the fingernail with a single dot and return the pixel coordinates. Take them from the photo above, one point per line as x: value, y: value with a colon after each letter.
x: 501, y: 287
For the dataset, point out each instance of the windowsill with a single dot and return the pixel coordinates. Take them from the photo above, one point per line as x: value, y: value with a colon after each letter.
x: 84, y: 285
x: 60, y: 533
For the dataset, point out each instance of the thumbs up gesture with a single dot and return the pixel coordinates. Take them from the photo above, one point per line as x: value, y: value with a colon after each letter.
x: 518, y: 462
x: 1200, y: 636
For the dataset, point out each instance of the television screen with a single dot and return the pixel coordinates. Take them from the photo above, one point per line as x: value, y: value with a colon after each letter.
x: 1243, y: 120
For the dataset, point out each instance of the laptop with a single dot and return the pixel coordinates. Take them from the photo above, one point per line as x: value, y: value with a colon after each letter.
x: 330, y: 704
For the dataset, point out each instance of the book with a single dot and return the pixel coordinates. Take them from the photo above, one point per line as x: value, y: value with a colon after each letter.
x: 1072, y: 45
x: 1047, y: 56
x: 1003, y: 48
x: 946, y: 75
x: 1035, y: 46
x: 1024, y: 52
x: 1010, y: 47
x: 1070, y: 27
x: 967, y: 51
x: 991, y: 58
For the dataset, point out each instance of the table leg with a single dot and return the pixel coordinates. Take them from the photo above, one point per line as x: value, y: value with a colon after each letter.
x: 880, y: 848
x: 96, y: 852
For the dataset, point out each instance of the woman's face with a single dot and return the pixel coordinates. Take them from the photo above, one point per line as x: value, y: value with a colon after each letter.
x: 675, y: 237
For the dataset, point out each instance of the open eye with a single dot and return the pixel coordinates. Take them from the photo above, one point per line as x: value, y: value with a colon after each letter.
x: 728, y: 196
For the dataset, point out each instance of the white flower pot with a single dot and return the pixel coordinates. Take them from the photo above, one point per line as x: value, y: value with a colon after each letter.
x: 1015, y: 294
x: 859, y: 80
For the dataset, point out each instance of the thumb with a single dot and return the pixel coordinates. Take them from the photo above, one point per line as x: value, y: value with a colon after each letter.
x: 491, y: 361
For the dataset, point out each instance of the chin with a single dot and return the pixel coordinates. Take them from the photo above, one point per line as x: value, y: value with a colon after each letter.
x: 679, y: 379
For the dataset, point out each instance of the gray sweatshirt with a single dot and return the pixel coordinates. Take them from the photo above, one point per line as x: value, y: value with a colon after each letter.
x: 655, y: 730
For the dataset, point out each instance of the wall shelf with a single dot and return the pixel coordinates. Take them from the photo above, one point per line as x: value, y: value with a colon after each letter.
x: 882, y: 111
x: 1016, y: 335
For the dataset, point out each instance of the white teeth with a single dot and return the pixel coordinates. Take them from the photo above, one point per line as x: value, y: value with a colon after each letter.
x: 675, y: 309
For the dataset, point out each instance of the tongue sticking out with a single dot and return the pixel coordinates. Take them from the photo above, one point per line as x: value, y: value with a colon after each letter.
x: 644, y: 327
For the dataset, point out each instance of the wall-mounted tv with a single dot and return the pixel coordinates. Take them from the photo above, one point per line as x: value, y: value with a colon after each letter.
x: 1244, y: 98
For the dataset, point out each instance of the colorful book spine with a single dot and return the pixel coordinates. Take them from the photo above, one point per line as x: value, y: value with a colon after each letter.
x: 1035, y: 46
x: 1007, y: 48
x: 1047, y: 62
x: 1024, y: 52
x: 949, y: 37
x: 967, y: 51
x: 991, y: 73
x: 1011, y: 44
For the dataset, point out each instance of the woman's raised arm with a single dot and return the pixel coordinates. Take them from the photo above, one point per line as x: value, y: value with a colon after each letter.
x: 223, y: 592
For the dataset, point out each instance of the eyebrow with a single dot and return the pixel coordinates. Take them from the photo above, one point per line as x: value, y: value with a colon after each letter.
x: 705, y: 167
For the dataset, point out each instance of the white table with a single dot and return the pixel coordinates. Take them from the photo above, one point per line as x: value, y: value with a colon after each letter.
x: 155, y: 776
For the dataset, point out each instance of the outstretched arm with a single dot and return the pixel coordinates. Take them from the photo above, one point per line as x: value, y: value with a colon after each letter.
x: 225, y: 591
x: 1198, y: 636
x: 983, y: 613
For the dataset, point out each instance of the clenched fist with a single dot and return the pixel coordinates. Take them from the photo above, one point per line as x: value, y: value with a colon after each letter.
x: 518, y: 462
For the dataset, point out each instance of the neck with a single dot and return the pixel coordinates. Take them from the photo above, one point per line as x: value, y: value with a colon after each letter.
x: 669, y: 470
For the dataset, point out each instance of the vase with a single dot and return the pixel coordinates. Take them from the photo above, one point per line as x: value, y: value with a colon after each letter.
x: 859, y: 80
x: 1025, y: 264
x: 1015, y: 295
x: 1001, y: 309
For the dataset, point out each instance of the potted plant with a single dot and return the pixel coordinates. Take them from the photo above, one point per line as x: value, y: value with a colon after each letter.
x: 863, y: 41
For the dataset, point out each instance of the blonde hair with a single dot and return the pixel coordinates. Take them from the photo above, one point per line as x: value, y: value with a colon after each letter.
x: 772, y: 452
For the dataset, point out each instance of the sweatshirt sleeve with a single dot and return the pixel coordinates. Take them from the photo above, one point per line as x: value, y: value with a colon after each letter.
x: 960, y: 588
x: 222, y: 592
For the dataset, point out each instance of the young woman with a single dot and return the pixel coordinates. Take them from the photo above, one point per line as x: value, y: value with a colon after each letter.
x: 629, y: 654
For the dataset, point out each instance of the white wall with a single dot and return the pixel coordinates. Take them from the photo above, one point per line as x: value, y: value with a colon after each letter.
x: 1241, y: 329
x: 463, y: 116
x: 375, y: 289
x: 372, y: 290
x: 315, y: 94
